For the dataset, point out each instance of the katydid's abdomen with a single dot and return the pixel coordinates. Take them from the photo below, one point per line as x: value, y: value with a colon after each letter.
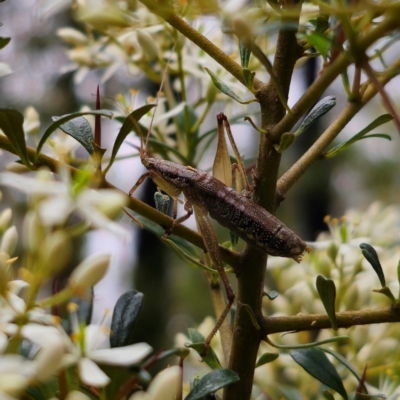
x: 249, y: 221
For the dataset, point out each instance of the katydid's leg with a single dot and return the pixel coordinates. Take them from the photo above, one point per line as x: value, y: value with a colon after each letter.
x: 189, y: 211
x: 211, y: 242
x: 139, y: 182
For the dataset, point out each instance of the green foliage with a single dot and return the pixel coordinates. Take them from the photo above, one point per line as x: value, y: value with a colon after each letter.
x: 58, y: 355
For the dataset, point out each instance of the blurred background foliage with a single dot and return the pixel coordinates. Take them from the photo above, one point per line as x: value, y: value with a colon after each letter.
x: 56, y: 76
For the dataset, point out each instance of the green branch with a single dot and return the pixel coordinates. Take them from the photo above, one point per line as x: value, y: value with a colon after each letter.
x: 201, y: 41
x: 329, y: 74
x: 312, y: 322
x: 290, y: 177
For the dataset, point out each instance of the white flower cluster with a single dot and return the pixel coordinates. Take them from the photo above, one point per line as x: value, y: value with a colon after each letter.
x: 337, y: 255
x: 34, y: 347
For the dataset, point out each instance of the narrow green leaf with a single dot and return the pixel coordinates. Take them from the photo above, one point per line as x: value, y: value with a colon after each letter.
x: 226, y: 89
x: 4, y: 42
x: 249, y: 78
x: 245, y: 54
x: 317, y: 364
x: 306, y: 345
x: 212, y: 382
x: 346, y: 85
x: 387, y: 292
x: 383, y: 119
x: 211, y: 359
x: 80, y: 129
x: 372, y: 257
x: 11, y: 122
x: 327, y: 292
x: 286, y: 141
x: 124, y: 317
x: 186, y: 258
x: 343, y: 361
x: 129, y: 124
x: 181, y: 352
x: 320, y: 109
x: 266, y: 358
x: 62, y: 120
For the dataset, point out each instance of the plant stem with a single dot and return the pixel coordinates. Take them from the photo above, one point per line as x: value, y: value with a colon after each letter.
x: 329, y: 74
x: 201, y: 41
x: 251, y: 267
x: 312, y: 322
x: 290, y: 177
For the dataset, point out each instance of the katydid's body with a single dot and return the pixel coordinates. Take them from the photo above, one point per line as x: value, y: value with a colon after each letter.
x: 209, y: 196
x: 232, y: 210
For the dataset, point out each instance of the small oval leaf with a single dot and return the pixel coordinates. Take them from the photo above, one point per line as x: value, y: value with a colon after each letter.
x: 124, y: 317
x: 62, y: 120
x: 211, y: 359
x: 266, y: 358
x: 212, y: 382
x: 327, y: 292
x: 80, y: 129
x: 317, y: 364
x: 11, y: 122
x: 371, y: 256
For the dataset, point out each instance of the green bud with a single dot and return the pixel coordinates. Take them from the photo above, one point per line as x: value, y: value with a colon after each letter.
x: 148, y: 44
x: 9, y: 240
x: 54, y: 253
x: 5, y: 219
x: 89, y: 272
x: 4, y: 274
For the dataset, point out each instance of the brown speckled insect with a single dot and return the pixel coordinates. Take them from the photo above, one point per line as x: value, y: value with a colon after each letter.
x: 207, y: 195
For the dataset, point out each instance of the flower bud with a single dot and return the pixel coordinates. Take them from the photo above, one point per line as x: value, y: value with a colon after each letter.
x: 111, y: 203
x: 75, y: 395
x: 4, y: 275
x: 9, y: 240
x: 148, y: 44
x: 17, y: 168
x: 89, y: 272
x: 55, y: 253
x: 5, y: 219
x: 31, y: 121
x: 33, y: 233
x: 72, y: 36
x: 242, y: 29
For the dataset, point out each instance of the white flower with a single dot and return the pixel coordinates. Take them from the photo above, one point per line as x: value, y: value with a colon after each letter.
x: 96, y: 352
x: 164, y: 386
x: 58, y: 201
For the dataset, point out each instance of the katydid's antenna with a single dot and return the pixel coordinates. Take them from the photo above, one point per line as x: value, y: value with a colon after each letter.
x: 158, y: 95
